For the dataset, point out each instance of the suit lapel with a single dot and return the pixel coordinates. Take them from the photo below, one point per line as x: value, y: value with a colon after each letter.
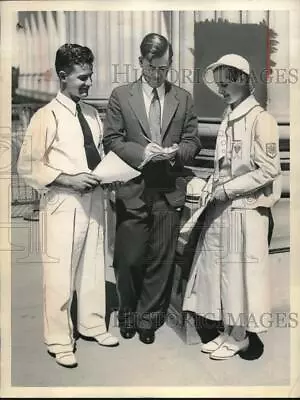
x: 136, y: 101
x: 170, y: 106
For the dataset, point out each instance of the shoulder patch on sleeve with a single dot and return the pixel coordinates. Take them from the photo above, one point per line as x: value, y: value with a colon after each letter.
x: 271, y: 149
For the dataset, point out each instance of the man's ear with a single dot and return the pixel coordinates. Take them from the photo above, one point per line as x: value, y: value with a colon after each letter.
x: 141, y: 61
x: 62, y: 76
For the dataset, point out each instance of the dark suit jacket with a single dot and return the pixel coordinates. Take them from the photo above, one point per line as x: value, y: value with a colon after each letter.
x: 127, y: 133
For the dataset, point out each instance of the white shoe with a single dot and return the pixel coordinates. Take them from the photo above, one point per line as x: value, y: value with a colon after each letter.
x: 66, y: 359
x: 230, y: 348
x: 214, y: 344
x: 107, y: 339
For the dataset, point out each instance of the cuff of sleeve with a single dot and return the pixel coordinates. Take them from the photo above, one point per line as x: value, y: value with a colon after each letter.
x: 141, y: 165
x: 144, y: 160
x: 47, y: 178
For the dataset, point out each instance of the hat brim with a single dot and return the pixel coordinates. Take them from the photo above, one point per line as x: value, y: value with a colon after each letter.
x: 209, y: 76
x: 209, y: 79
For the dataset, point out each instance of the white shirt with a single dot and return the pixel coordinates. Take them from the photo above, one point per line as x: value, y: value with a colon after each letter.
x: 54, y: 142
x: 148, y: 96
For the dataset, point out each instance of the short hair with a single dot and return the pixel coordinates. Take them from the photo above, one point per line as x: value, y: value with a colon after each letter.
x: 155, y: 45
x: 234, y: 74
x: 70, y: 54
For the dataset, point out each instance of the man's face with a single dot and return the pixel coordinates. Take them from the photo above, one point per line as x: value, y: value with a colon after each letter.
x: 78, y: 82
x: 232, y: 91
x: 155, y: 71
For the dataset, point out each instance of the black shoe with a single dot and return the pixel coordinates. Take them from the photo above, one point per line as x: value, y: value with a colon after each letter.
x: 255, y: 349
x: 147, y: 336
x: 127, y: 333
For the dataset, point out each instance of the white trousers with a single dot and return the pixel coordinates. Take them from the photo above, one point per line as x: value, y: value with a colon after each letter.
x: 73, y: 259
x: 229, y: 279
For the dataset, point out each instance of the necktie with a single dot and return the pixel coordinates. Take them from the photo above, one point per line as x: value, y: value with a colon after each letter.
x: 155, y: 118
x: 92, y: 155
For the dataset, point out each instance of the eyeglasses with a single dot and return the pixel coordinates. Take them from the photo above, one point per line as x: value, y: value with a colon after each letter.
x: 152, y: 68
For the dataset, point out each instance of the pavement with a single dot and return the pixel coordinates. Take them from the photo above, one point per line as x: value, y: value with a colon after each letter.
x: 167, y: 362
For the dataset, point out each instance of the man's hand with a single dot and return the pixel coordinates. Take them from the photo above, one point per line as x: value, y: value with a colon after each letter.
x: 153, y: 149
x: 170, y: 152
x: 83, y: 182
x: 219, y: 193
x: 158, y: 153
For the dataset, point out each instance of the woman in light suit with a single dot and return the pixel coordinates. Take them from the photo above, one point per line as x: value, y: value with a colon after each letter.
x: 229, y: 278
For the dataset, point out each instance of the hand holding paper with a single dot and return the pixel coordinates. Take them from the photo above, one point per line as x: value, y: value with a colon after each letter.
x: 170, y: 152
x: 154, y: 152
x: 113, y: 169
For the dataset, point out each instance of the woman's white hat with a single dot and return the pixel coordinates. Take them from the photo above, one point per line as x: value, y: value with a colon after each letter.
x: 231, y: 60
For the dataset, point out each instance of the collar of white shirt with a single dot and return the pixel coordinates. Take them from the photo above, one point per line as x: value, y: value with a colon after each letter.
x: 242, y: 108
x: 148, y: 89
x: 67, y: 102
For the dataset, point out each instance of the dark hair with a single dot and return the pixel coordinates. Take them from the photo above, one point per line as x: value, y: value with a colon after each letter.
x: 70, y: 54
x: 155, y: 45
x: 234, y: 74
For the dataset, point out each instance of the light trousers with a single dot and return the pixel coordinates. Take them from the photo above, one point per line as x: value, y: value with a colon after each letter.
x: 72, y: 233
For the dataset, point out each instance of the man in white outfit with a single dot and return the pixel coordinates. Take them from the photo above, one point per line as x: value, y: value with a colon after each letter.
x: 62, y: 145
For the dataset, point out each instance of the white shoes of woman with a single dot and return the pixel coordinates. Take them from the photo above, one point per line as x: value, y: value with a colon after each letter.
x: 229, y: 348
x: 214, y: 344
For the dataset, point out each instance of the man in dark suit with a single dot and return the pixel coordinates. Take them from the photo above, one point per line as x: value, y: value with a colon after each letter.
x: 149, y: 119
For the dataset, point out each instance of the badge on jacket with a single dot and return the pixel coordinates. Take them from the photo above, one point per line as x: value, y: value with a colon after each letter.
x: 271, y: 149
x: 237, y: 150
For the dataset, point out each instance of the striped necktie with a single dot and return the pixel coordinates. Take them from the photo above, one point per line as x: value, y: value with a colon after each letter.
x: 92, y: 155
x: 155, y: 118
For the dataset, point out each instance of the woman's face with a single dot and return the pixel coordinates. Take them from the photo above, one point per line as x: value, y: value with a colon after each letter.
x: 233, y: 88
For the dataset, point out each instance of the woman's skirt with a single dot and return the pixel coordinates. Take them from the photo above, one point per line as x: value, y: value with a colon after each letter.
x: 229, y: 278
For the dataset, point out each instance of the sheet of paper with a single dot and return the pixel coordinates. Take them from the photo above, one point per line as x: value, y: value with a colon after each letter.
x: 112, y: 168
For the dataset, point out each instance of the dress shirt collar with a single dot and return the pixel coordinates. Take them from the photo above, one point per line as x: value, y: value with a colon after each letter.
x: 67, y: 102
x: 149, y: 90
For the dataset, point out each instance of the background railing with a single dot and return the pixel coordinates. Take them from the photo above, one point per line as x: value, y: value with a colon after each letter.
x: 23, y: 198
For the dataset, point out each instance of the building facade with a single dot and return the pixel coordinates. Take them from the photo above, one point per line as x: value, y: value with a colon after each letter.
x: 198, y: 38
x: 115, y: 36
